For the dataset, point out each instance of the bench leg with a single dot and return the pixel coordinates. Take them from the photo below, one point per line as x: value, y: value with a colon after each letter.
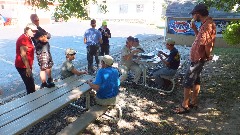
x: 119, y: 110
x: 87, y: 100
x: 77, y: 106
x: 118, y: 115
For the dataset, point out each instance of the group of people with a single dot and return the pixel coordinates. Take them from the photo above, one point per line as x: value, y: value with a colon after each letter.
x: 34, y: 39
x: 108, y: 78
x: 200, y: 53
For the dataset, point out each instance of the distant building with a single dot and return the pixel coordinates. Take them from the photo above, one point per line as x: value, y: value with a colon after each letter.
x: 149, y: 11
x: 178, y: 21
x: 20, y: 12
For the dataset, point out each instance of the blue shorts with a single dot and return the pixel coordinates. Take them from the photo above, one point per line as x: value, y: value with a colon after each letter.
x: 192, y: 76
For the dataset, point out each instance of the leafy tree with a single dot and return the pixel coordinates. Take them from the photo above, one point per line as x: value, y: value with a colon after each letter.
x: 226, y: 5
x: 67, y: 8
x: 232, y: 33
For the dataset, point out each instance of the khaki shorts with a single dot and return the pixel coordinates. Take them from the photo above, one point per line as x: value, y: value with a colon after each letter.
x: 108, y: 101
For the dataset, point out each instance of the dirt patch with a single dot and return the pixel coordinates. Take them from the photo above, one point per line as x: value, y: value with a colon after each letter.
x: 150, y: 112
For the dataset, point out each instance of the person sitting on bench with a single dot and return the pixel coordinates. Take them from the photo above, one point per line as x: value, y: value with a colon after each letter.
x: 68, y: 68
x: 170, y: 65
x: 107, y: 83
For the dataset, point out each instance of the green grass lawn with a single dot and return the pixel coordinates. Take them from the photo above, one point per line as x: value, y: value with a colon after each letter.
x: 226, y: 77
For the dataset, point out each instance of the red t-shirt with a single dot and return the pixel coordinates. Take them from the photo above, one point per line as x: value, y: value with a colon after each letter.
x: 24, y: 40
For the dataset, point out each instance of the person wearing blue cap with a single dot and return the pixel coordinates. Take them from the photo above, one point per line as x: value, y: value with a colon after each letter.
x: 106, y: 34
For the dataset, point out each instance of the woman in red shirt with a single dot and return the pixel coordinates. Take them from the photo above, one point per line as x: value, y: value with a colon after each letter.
x: 25, y: 56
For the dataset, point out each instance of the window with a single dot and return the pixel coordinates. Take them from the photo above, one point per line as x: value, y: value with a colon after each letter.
x: 139, y: 8
x: 123, y: 9
x: 100, y: 10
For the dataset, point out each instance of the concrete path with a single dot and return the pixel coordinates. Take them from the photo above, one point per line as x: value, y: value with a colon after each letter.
x: 64, y: 35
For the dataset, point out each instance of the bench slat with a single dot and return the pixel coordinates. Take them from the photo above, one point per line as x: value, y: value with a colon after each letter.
x: 25, y: 109
x: 20, y: 125
x: 84, y: 120
x: 30, y: 97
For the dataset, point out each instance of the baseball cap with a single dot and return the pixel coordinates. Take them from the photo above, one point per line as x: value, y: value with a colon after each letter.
x: 39, y: 34
x: 32, y: 26
x: 130, y: 38
x: 170, y: 41
x: 70, y: 51
x: 104, y: 23
x: 198, y: 8
x: 108, y: 60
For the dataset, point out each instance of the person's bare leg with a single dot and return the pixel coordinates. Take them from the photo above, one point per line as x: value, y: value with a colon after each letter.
x: 187, y: 95
x: 196, y: 89
x: 43, y: 76
x: 49, y: 72
x: 183, y: 108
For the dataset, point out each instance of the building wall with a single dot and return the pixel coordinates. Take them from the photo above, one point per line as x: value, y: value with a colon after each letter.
x: 17, y: 10
x: 146, y: 10
x: 188, y: 40
x: 186, y: 37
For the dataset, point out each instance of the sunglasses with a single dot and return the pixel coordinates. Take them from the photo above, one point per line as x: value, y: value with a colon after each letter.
x: 34, y: 31
x: 36, y: 20
x: 71, y: 54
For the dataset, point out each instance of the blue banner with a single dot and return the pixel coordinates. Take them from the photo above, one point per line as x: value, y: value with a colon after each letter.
x: 183, y: 27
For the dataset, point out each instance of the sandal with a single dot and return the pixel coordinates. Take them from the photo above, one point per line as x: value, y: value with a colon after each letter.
x: 193, y: 106
x: 181, y: 110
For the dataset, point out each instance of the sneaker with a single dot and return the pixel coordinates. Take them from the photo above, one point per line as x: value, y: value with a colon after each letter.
x: 43, y: 85
x: 50, y: 80
x: 50, y: 85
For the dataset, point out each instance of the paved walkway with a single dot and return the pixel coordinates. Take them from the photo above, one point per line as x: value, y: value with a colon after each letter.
x: 64, y: 35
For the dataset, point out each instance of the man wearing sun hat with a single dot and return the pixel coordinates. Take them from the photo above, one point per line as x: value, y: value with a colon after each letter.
x: 200, y: 53
x: 106, y: 34
x: 68, y: 68
x: 170, y: 65
x: 107, y: 82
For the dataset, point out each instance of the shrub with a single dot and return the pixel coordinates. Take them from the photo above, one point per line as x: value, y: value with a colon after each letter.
x: 232, y: 34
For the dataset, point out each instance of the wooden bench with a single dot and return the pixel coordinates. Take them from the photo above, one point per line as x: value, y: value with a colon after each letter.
x: 19, y: 115
x: 87, y: 118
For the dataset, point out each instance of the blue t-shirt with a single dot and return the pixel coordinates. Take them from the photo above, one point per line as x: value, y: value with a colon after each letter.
x: 174, y: 59
x: 92, y: 35
x: 109, y: 82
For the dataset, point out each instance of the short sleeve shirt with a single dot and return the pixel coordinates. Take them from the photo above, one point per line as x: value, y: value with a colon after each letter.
x: 92, y: 35
x: 66, y: 69
x: 174, y: 59
x: 206, y: 37
x: 105, y: 38
x: 24, y: 40
x: 109, y: 82
x: 125, y: 51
